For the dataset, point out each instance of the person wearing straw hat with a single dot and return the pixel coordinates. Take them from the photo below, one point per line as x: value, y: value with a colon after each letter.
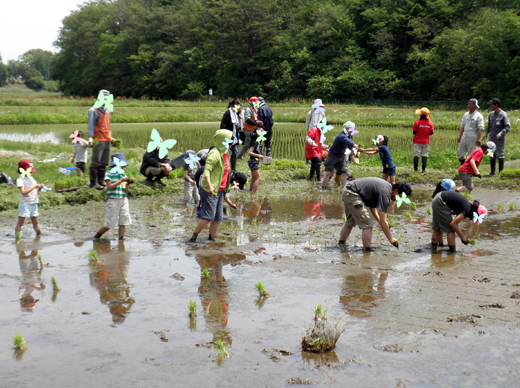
x: 422, y: 130
x: 471, y: 129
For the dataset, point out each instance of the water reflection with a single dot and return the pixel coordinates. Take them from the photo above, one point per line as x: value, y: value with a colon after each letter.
x: 361, y: 291
x: 40, y: 138
x: 213, y: 292
x: 31, y: 278
x: 110, y: 277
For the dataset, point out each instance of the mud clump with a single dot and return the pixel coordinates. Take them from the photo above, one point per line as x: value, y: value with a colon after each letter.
x: 464, y: 318
x: 162, y: 336
x: 276, y: 354
x: 395, y: 348
x: 492, y: 306
x: 515, y: 295
x: 434, y: 273
x: 300, y: 381
x: 322, y: 335
x: 481, y: 280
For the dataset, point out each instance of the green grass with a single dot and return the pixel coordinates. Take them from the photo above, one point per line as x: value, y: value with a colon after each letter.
x: 319, y: 312
x: 65, y: 182
x: 261, y: 289
x: 19, y: 342
x: 510, y: 173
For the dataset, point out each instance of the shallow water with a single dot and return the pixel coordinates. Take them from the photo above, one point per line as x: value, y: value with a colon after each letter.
x: 105, y: 325
x: 36, y: 138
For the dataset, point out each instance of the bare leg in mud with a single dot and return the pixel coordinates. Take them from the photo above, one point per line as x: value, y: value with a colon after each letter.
x: 201, y: 225
x: 366, y: 235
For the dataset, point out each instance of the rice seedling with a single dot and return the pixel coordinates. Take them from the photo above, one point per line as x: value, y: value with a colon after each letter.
x: 18, y: 237
x: 92, y: 256
x: 322, y: 335
x: 54, y: 284
x: 408, y: 215
x: 512, y: 207
x: 467, y: 194
x: 472, y: 242
x: 319, y: 312
x: 19, y: 342
x: 428, y: 211
x: 413, y: 206
x: 344, y: 217
x: 261, y: 289
x: 393, y: 222
x: 500, y: 207
x: 40, y: 260
x: 221, y: 348
x: 205, y: 273
x: 192, y: 306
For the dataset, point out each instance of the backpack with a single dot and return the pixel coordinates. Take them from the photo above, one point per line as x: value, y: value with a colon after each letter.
x: 5, y: 179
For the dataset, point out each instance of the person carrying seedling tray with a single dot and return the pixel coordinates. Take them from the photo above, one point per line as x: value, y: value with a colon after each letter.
x: 99, y: 133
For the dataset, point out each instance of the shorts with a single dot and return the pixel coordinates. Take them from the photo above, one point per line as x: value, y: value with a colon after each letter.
x: 80, y: 166
x: 253, y: 164
x: 356, y: 211
x: 389, y: 171
x: 441, y: 214
x: 211, y: 206
x: 336, y: 162
x: 117, y: 212
x: 421, y: 150
x: 27, y: 210
x: 467, y: 180
x: 191, y: 191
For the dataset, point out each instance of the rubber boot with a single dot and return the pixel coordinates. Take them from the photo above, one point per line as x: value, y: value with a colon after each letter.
x: 242, y: 152
x: 149, y: 180
x: 318, y: 172
x: 268, y: 151
x: 211, y: 238
x: 312, y: 171
x: 101, y: 176
x: 193, y: 238
x: 452, y: 248
x: 424, y: 163
x: 434, y: 247
x: 493, y: 164
x: 93, y: 172
x: 416, y: 163
x: 500, y: 165
x: 233, y: 162
x: 462, y: 161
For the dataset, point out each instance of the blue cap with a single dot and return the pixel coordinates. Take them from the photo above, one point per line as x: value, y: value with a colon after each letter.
x: 448, y: 184
x: 120, y: 156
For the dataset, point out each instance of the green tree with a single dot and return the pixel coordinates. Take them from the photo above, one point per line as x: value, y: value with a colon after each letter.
x: 34, y: 79
x: 39, y: 59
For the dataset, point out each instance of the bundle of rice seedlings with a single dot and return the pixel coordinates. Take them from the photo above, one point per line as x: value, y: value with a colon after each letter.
x: 322, y: 335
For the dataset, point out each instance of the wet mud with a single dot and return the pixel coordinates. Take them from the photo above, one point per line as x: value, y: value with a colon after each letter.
x: 413, y: 318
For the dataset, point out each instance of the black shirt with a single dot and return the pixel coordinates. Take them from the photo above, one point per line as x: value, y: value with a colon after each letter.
x: 375, y: 192
x: 457, y: 203
x: 255, y: 146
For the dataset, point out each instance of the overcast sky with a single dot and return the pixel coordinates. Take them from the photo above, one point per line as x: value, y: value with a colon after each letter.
x: 31, y: 24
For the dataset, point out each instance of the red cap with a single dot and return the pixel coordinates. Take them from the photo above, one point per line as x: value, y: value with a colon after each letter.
x: 25, y: 164
x: 253, y: 99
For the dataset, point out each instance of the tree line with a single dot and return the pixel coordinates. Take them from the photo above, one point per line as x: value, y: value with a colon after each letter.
x: 33, y: 68
x: 339, y: 50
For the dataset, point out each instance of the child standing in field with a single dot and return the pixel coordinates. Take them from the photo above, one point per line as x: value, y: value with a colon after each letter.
x: 314, y: 151
x: 80, y: 154
x: 470, y: 166
x: 190, y: 186
x: 117, y: 210
x: 28, y: 206
x: 254, y: 161
x: 389, y: 169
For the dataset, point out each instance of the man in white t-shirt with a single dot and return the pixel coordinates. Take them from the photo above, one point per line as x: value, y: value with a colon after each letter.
x: 471, y: 129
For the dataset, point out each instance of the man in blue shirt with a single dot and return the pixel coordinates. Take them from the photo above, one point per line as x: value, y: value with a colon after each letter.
x: 265, y: 115
x: 336, y: 157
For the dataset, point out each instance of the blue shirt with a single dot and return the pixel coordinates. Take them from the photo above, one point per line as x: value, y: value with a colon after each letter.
x: 386, y: 157
x: 340, y: 145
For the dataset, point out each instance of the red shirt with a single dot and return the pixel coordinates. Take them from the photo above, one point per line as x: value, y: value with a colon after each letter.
x: 310, y: 151
x: 223, y: 184
x: 424, y: 129
x: 476, y: 156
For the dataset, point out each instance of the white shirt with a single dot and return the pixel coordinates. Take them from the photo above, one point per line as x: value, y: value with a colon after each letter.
x: 472, y: 123
x: 27, y: 183
x: 81, y: 152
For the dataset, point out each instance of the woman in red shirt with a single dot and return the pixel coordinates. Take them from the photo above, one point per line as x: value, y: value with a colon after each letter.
x: 422, y: 130
x: 313, y: 151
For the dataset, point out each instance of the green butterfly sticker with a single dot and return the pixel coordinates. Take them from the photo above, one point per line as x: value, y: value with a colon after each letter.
x: 324, y: 127
x: 401, y: 200
x: 106, y: 101
x: 164, y: 146
x: 256, y: 104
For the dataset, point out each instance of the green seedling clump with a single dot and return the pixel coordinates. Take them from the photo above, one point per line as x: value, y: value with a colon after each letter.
x: 319, y: 312
x: 472, y: 242
x: 18, y: 237
x: 205, y: 273
x: 413, y: 206
x: 344, y: 217
x: 92, y: 255
x: 261, y: 289
x: 407, y: 215
x: 41, y: 260
x: 512, y: 207
x: 192, y: 305
x: 54, y: 284
x: 322, y: 335
x: 500, y: 207
x: 19, y: 342
x: 428, y: 211
x: 221, y: 348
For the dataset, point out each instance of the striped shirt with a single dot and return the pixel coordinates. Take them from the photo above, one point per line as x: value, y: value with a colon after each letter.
x: 119, y: 191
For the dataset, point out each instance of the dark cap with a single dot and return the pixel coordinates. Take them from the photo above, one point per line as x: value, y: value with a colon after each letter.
x: 118, y: 155
x: 239, y: 177
x: 261, y: 99
x: 494, y: 101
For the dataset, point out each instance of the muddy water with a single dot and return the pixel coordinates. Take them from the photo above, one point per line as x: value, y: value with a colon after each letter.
x: 413, y: 318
